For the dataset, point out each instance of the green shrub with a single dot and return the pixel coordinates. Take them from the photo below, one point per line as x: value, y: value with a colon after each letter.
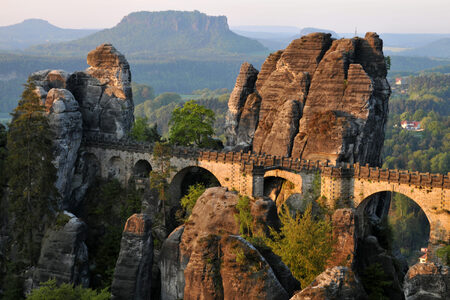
x: 244, y: 216
x: 49, y: 290
x: 303, y: 243
x: 188, y: 201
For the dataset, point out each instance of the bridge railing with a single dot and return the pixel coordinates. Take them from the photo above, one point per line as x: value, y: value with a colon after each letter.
x: 250, y: 162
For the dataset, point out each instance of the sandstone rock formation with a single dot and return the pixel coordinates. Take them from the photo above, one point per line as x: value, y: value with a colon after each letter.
x: 104, y: 93
x: 206, y: 251
x: 66, y: 121
x: 333, y: 284
x: 245, y: 85
x: 96, y: 101
x: 64, y: 255
x: 133, y: 272
x: 427, y: 281
x: 343, y: 224
x: 319, y: 99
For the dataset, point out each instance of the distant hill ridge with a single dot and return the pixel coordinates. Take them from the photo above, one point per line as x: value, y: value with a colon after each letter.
x: 166, y: 33
x: 34, y: 31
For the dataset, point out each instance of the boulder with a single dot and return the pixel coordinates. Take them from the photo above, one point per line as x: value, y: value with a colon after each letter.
x: 133, y: 272
x: 64, y: 255
x: 333, y: 284
x: 427, y: 281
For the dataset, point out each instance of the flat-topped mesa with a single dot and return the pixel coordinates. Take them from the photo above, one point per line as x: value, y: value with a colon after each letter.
x: 104, y: 93
x: 320, y: 99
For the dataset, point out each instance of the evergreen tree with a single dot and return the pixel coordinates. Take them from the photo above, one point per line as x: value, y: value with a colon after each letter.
x: 33, y: 196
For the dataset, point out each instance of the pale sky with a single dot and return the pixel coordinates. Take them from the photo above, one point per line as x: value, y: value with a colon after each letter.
x: 396, y: 16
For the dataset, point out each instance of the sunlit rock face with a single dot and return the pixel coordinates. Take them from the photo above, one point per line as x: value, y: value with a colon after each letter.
x: 319, y: 99
x: 199, y: 260
x: 104, y: 93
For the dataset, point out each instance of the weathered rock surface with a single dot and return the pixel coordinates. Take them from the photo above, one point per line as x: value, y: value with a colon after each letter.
x: 133, y: 272
x: 333, y: 284
x: 245, y: 85
x: 66, y: 121
x: 172, y: 266
x: 64, y: 255
x: 340, y: 93
x: 427, y: 281
x: 205, y: 251
x: 343, y: 224
x: 104, y: 93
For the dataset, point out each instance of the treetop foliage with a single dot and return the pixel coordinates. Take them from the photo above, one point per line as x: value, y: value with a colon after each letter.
x: 49, y: 290
x: 191, y: 125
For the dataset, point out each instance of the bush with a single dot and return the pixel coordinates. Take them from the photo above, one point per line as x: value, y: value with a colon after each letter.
x: 303, y: 243
x: 50, y: 291
x: 188, y: 201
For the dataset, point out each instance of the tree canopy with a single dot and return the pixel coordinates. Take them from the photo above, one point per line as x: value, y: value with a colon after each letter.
x: 191, y: 125
x: 141, y: 131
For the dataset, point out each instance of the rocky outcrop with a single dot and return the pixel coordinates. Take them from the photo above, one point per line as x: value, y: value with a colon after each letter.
x: 344, y: 235
x: 172, y: 266
x: 64, y: 255
x: 427, y: 281
x: 133, y: 272
x: 104, y: 93
x: 245, y: 85
x: 320, y: 99
x: 216, y: 263
x: 333, y: 284
x: 66, y: 121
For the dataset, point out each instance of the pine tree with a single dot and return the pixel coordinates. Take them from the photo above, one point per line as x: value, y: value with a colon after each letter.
x: 32, y: 195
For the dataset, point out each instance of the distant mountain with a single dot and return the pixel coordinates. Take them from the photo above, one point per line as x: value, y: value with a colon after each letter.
x: 36, y: 31
x: 169, y: 34
x: 439, y: 48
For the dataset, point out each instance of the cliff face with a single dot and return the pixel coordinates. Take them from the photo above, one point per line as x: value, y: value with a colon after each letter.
x: 319, y: 99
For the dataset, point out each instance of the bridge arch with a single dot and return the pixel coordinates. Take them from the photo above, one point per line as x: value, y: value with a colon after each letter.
x: 281, y: 185
x: 142, y: 168
x: 189, y: 176
x: 437, y: 221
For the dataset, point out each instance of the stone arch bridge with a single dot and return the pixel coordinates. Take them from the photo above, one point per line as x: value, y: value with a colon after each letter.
x: 246, y: 173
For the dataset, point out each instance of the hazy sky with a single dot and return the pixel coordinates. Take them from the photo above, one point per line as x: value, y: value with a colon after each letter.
x: 421, y: 16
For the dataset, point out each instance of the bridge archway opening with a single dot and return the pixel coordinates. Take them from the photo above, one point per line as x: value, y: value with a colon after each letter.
x: 280, y: 190
x: 116, y: 168
x: 408, y: 228
x: 188, y: 176
x: 142, y: 169
x: 179, y: 187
